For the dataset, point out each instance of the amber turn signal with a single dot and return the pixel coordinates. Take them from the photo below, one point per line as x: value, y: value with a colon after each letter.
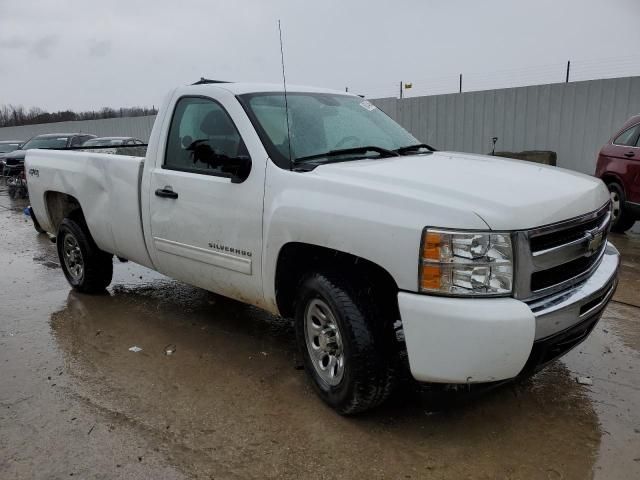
x: 431, y: 277
x: 431, y: 246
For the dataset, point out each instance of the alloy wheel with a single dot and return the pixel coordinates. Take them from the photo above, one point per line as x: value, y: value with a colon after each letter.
x: 324, y: 342
x: 73, y: 257
x: 615, y: 206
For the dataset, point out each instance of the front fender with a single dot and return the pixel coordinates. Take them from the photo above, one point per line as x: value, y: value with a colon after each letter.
x: 380, y: 227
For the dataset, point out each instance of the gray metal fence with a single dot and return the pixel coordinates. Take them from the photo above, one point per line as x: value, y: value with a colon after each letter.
x: 573, y: 119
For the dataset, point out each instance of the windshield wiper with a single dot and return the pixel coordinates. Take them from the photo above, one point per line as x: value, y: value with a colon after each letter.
x: 384, y: 153
x: 413, y: 148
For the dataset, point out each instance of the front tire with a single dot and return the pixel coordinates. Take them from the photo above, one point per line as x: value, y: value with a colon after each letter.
x: 346, y: 346
x: 87, y: 268
x: 621, y: 220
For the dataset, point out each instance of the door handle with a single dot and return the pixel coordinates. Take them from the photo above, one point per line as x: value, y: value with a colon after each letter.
x: 166, y: 192
x: 629, y: 154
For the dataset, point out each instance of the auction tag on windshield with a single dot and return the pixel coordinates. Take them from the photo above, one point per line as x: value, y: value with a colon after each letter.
x: 367, y: 105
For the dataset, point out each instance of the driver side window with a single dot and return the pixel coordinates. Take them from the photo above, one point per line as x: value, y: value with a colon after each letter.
x: 202, y: 138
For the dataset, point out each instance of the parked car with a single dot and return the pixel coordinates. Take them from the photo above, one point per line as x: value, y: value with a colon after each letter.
x: 619, y: 167
x: 117, y: 145
x: 49, y: 140
x: 13, y: 162
x: 323, y: 209
x: 7, y: 146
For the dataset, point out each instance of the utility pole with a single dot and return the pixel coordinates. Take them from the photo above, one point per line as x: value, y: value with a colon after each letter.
x: 460, y: 83
x: 401, y: 89
x: 568, y: 67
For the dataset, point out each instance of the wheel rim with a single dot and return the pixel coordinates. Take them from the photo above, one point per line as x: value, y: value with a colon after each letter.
x: 615, y: 205
x: 324, y: 342
x: 72, y: 256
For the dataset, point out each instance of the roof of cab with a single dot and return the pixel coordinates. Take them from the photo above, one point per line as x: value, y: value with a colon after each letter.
x: 241, y: 88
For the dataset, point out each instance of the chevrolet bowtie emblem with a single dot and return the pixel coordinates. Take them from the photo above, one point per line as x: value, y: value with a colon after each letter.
x: 594, y: 240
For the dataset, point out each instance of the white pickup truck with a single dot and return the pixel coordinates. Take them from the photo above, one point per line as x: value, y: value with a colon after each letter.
x: 315, y: 205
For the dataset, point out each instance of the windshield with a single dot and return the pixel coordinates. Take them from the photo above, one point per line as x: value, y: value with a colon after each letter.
x: 8, y: 147
x: 46, y: 142
x: 103, y: 142
x: 321, y: 123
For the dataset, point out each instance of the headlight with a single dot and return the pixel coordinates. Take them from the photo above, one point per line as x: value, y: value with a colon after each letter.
x: 466, y: 263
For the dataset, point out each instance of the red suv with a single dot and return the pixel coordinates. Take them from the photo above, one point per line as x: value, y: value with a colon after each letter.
x: 619, y: 167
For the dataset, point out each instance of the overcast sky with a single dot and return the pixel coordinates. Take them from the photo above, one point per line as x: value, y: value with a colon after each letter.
x: 60, y: 54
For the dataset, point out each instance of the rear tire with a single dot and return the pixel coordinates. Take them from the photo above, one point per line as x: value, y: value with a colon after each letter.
x: 333, y: 315
x: 87, y: 268
x: 622, y: 220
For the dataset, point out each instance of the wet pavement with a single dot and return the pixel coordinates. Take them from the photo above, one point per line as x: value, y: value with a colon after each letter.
x: 216, y: 391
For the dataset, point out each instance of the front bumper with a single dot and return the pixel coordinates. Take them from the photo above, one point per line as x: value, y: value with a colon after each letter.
x: 474, y: 340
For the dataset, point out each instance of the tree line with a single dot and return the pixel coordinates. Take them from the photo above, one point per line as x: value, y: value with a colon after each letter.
x: 16, y: 115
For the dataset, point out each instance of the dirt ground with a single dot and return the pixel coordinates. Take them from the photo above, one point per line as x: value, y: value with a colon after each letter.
x: 230, y: 401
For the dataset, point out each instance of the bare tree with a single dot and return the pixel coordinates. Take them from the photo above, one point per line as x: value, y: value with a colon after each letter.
x: 16, y: 115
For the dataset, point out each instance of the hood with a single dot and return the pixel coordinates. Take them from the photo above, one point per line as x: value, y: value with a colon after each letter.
x: 507, y: 194
x: 15, y: 155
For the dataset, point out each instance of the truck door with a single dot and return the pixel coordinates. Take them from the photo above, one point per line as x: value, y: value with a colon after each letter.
x: 207, y: 229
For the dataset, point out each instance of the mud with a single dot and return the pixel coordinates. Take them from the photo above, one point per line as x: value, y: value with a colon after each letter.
x: 230, y: 401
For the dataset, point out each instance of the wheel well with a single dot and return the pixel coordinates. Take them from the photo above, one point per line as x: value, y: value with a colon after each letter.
x: 298, y: 259
x: 59, y: 206
x: 608, y: 178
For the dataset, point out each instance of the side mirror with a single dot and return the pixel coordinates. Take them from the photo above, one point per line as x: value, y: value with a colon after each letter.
x: 239, y: 168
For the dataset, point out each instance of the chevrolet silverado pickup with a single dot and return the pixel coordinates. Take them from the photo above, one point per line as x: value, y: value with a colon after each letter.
x: 315, y: 205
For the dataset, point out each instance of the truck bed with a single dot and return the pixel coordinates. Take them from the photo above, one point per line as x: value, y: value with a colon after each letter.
x: 106, y: 186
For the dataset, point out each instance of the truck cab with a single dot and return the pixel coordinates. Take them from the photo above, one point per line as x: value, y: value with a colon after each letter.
x: 314, y: 205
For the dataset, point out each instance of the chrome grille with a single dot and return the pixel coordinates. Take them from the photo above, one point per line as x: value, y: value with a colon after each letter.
x: 554, y: 257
